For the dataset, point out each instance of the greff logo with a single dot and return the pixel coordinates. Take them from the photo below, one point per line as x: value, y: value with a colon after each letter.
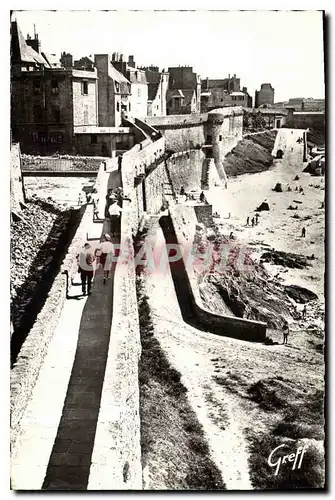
x: 291, y: 457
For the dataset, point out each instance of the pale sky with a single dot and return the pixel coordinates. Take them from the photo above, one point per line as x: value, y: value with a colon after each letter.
x: 283, y: 48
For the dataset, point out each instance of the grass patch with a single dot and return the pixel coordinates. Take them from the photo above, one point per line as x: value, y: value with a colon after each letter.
x: 174, y: 449
x: 301, y: 423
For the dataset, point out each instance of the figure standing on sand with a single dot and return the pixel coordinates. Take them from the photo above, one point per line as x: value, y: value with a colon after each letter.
x: 286, y: 332
x: 248, y: 219
x: 303, y: 233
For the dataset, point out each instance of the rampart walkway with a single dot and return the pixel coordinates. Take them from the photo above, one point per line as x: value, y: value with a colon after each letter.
x: 58, y: 430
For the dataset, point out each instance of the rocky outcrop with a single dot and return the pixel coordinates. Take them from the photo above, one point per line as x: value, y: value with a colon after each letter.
x: 251, y: 155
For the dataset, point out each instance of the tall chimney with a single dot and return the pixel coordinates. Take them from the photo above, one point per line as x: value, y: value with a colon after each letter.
x: 131, y: 61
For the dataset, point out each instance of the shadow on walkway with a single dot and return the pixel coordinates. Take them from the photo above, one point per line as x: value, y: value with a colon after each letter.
x: 70, y: 459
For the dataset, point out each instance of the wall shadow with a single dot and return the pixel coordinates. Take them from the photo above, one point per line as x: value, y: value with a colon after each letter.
x: 39, y: 282
x: 70, y: 459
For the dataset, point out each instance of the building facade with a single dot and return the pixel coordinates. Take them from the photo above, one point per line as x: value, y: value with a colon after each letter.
x: 138, y: 84
x: 218, y: 93
x: 114, y: 92
x: 184, y: 91
x: 265, y: 96
x: 157, y: 90
x: 47, y: 100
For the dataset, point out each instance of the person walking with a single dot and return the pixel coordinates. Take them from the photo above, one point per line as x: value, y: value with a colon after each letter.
x: 120, y: 196
x: 257, y: 217
x: 109, y: 196
x: 286, y: 332
x: 80, y: 199
x: 202, y: 197
x: 105, y: 249
x: 253, y: 221
x: 95, y: 200
x: 86, y: 259
x: 304, y: 311
x: 303, y: 232
x: 119, y: 163
x: 115, y: 216
x: 248, y: 220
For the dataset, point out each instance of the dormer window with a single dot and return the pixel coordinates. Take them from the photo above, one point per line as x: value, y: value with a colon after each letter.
x: 117, y: 87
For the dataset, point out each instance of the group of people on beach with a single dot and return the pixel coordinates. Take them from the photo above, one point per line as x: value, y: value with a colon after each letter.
x: 190, y: 196
x: 254, y: 220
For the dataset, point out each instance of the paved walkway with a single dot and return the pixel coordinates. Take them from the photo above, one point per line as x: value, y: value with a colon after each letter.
x: 58, y: 428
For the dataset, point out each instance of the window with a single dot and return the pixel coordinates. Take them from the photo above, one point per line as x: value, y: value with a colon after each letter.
x: 37, y: 86
x: 209, y: 139
x: 56, y: 115
x: 54, y: 87
x: 94, y: 139
x: 38, y: 113
x: 42, y: 138
x: 56, y: 137
x: 118, y: 106
x: 117, y: 87
x: 84, y: 88
x: 34, y: 136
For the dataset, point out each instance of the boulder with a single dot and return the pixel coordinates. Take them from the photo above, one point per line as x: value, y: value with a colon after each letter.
x: 263, y: 207
x: 300, y: 294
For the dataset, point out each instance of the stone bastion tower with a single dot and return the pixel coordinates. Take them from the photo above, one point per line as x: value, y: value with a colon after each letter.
x: 224, y: 130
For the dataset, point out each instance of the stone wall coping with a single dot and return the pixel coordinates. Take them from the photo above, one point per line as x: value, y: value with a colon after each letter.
x: 206, y: 317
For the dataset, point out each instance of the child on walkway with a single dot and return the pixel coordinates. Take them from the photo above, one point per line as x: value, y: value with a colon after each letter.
x: 104, y: 250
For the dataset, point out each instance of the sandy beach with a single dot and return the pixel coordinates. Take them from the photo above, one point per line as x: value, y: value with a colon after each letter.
x: 278, y: 228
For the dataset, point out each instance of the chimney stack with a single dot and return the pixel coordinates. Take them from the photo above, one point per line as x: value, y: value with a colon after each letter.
x: 131, y: 61
x: 33, y: 43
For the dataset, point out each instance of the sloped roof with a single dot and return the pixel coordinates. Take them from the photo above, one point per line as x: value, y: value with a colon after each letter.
x: 136, y: 75
x: 152, y: 90
x: 118, y: 77
x: 26, y: 53
x: 187, y: 94
x: 52, y: 59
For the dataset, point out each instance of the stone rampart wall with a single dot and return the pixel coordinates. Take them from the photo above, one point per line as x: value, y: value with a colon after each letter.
x: 16, y: 184
x: 184, y: 222
x: 33, y: 351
